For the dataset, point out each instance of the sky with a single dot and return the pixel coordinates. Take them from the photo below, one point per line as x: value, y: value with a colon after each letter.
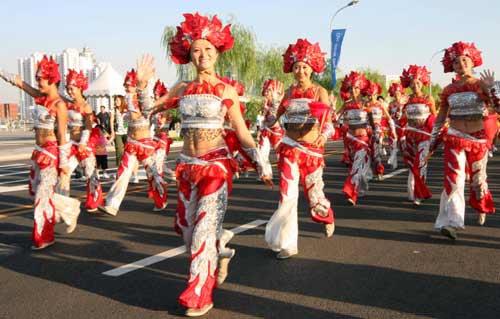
x: 385, y: 35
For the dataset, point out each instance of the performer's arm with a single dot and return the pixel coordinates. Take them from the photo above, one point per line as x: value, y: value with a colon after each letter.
x: 16, y: 80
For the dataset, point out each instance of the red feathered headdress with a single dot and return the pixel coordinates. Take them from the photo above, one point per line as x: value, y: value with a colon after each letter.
x: 396, y: 87
x: 354, y: 79
x: 77, y: 79
x: 304, y: 51
x: 197, y: 27
x: 130, y: 79
x: 268, y: 84
x: 48, y: 69
x: 371, y: 88
x: 458, y: 49
x: 159, y: 89
x: 415, y: 72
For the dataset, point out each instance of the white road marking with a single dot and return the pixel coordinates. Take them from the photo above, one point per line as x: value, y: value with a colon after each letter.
x: 399, y: 171
x: 170, y: 253
x: 12, y: 165
x: 15, y: 173
x: 8, y: 189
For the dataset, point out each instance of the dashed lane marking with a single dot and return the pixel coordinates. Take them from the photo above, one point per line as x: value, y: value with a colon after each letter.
x: 116, y: 272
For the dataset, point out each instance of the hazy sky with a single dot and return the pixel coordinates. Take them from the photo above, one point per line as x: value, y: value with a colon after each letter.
x: 386, y: 35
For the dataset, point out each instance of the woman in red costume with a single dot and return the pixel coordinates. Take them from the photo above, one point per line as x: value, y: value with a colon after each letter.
x: 269, y: 136
x: 205, y: 166
x: 50, y: 154
x: 420, y: 114
x: 464, y: 103
x: 376, y: 113
x: 396, y: 110
x: 161, y: 122
x: 301, y: 150
x: 357, y: 137
x: 82, y: 148
x: 140, y: 146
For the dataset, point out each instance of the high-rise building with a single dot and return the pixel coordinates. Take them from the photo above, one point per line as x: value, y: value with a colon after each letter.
x: 69, y: 59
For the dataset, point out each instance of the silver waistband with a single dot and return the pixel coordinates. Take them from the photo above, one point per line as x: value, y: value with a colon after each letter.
x: 457, y: 133
x: 293, y: 143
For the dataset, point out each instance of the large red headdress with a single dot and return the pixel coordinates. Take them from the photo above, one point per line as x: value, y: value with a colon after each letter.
x: 197, y: 27
x: 354, y: 79
x: 415, y: 72
x: 130, y: 78
x: 159, y: 89
x: 396, y: 87
x: 371, y: 88
x: 304, y: 51
x: 48, y: 69
x: 461, y: 48
x: 77, y: 79
x: 268, y: 84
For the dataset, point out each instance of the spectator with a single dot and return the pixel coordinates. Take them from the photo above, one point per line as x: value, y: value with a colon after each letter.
x: 259, y: 122
x: 101, y: 153
x: 103, y: 119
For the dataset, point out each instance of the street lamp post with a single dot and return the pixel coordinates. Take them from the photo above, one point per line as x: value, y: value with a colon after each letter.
x: 353, y: 2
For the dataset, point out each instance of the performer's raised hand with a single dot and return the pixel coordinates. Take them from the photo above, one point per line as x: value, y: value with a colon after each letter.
x: 488, y: 78
x: 277, y: 92
x: 145, y: 70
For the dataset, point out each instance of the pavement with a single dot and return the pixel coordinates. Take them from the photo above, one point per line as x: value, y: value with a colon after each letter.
x: 385, y: 260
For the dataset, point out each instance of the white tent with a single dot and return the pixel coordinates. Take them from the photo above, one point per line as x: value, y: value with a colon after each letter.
x: 104, y: 87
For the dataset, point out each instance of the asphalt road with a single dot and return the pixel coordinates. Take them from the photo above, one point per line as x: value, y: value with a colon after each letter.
x: 384, y: 260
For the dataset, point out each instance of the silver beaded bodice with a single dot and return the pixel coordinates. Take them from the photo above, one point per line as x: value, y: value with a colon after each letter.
x: 202, y: 111
x: 356, y: 117
x: 75, y: 118
x: 298, y: 112
x: 465, y: 104
x: 417, y: 111
x: 43, y: 118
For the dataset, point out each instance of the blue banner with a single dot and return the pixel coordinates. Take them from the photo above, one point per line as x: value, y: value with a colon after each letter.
x: 337, y: 38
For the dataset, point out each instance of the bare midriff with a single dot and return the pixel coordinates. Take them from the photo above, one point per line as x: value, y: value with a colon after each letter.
x: 416, y: 122
x: 467, y: 125
x: 43, y: 136
x: 75, y: 133
x: 199, y: 141
x: 308, y: 132
x: 358, y: 130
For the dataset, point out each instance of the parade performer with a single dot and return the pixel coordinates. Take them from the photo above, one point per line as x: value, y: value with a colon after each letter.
x: 139, y: 147
x: 83, y: 147
x: 396, y: 110
x: 357, y: 136
x: 376, y: 113
x: 50, y: 154
x: 269, y: 136
x: 205, y: 166
x: 161, y: 122
x: 301, y: 150
x: 464, y: 103
x: 420, y: 114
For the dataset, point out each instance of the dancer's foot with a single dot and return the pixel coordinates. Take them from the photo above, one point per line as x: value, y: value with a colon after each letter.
x: 380, y: 177
x: 91, y: 210
x: 108, y: 210
x: 449, y: 232
x: 329, y: 229
x: 197, y: 312
x: 481, y: 219
x: 43, y: 246
x: 134, y: 179
x: 287, y: 253
x: 159, y: 209
x: 417, y: 202
x: 222, y: 270
x: 351, y: 201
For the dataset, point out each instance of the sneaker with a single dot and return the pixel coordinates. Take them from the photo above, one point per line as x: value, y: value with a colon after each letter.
x: 351, y: 201
x: 108, y: 210
x: 380, y: 177
x: 197, y: 312
x: 91, y: 210
x: 329, y: 230
x: 490, y: 154
x: 222, y: 270
x: 106, y: 176
x: 287, y: 253
x: 417, y: 202
x: 159, y: 209
x: 43, y: 246
x: 83, y: 179
x: 481, y: 219
x: 449, y: 232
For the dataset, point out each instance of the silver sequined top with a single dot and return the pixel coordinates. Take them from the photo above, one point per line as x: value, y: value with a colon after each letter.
x: 465, y: 104
x: 417, y: 111
x: 377, y: 113
x: 201, y: 111
x: 75, y: 118
x: 356, y: 117
x: 43, y: 118
x: 298, y: 112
